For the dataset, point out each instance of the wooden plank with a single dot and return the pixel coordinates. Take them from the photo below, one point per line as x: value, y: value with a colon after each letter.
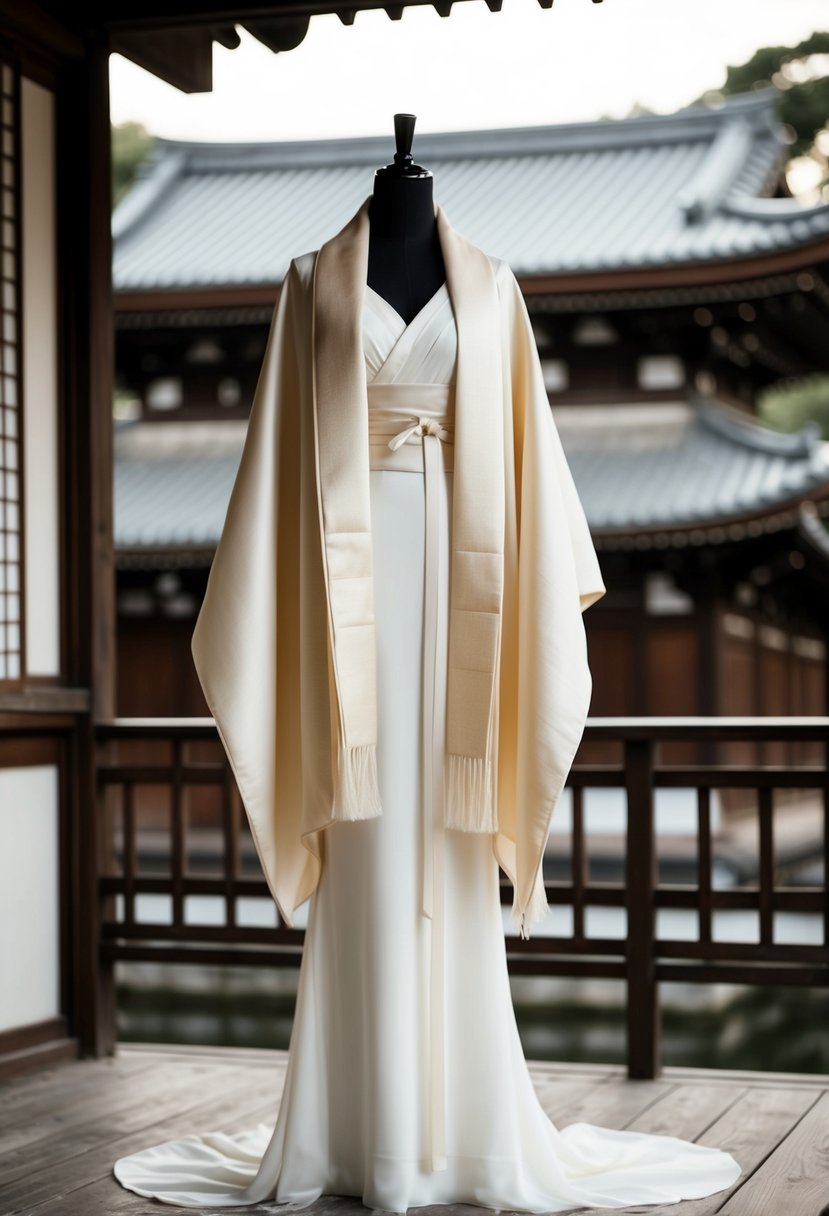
x: 751, y: 1130
x: 32, y: 1059
x: 103, y: 1195
x: 86, y: 1186
x: 163, y: 1051
x: 612, y: 1103
x: 578, y: 1068
x: 687, y: 1111
x: 20, y: 1109
x: 795, y: 1178
x: 749, y: 1076
x: 560, y: 1096
x: 112, y: 1109
x: 21, y: 1097
x: 72, y: 1162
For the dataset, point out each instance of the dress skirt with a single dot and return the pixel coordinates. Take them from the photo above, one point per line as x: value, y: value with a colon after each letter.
x: 368, y: 1092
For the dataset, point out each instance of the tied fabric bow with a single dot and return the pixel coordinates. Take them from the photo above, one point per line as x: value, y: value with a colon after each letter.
x: 423, y: 426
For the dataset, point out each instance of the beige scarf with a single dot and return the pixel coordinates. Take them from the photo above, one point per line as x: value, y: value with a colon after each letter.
x: 477, y: 562
x: 284, y: 644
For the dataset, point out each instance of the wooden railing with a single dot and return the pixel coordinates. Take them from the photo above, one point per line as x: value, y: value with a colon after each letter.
x: 171, y: 776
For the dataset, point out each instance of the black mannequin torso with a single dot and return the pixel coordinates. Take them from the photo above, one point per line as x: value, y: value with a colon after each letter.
x: 405, y: 262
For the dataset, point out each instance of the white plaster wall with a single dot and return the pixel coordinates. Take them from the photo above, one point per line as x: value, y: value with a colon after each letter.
x: 40, y: 381
x: 29, y: 900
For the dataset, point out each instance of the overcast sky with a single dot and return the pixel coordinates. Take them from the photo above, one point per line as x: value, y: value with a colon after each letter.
x: 523, y: 66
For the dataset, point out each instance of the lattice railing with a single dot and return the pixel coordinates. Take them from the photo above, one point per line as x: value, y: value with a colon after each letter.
x: 172, y: 830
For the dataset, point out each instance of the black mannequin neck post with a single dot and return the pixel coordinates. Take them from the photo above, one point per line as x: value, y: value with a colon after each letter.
x: 405, y: 262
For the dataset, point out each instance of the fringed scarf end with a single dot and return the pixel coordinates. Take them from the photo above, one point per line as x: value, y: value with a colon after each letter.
x: 468, y: 794
x: 357, y: 795
x: 536, y: 910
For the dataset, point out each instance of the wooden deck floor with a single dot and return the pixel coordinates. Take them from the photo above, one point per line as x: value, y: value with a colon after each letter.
x: 61, y: 1129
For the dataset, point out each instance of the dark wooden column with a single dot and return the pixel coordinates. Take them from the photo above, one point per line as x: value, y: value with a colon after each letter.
x: 85, y: 258
x: 709, y: 612
x: 643, y: 1022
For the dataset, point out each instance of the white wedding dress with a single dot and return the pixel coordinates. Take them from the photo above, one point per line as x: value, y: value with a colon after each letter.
x: 404, y: 1050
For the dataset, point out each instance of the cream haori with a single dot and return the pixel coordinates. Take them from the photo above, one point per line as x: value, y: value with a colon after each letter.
x: 392, y: 645
x: 523, y: 569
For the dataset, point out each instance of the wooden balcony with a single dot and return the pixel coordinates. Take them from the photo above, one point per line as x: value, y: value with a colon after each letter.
x: 171, y: 776
x: 62, y: 1129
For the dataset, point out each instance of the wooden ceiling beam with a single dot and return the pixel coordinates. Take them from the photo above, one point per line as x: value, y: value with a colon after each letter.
x: 156, y: 14
x: 181, y: 57
x: 160, y: 14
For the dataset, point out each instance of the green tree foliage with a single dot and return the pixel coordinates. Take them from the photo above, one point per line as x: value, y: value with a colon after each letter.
x: 131, y: 145
x: 789, y: 405
x: 801, y: 73
x: 805, y: 101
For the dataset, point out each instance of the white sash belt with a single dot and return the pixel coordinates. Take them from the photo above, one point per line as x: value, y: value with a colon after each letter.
x: 409, y: 429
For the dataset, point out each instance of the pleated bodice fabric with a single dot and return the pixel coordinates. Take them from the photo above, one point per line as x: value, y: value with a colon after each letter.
x: 422, y: 352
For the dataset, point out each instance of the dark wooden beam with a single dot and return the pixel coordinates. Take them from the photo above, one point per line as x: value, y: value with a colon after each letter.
x: 242, y: 296
x: 157, y: 14
x: 779, y: 518
x: 39, y: 36
x: 181, y: 57
x: 598, y: 284
x: 729, y: 270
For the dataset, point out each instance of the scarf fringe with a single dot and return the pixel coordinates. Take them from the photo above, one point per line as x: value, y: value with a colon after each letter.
x: 536, y: 910
x: 468, y: 794
x: 357, y: 793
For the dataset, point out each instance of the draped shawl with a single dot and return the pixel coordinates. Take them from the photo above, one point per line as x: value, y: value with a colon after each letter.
x: 284, y: 643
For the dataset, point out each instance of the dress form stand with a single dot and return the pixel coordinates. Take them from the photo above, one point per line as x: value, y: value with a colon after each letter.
x: 406, y: 269
x: 405, y: 263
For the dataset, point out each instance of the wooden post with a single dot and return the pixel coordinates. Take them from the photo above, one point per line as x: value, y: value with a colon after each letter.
x: 643, y: 1028
x: 85, y: 302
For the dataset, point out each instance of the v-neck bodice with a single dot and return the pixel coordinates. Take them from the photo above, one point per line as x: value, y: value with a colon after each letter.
x: 420, y: 352
x: 410, y: 382
x: 441, y: 291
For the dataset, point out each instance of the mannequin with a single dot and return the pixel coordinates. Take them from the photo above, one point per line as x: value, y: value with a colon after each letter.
x: 405, y: 263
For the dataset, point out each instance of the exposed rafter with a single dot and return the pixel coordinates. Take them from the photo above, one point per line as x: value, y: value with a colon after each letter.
x: 174, y: 41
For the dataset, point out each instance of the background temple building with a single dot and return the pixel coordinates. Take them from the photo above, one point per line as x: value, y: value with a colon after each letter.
x: 669, y: 276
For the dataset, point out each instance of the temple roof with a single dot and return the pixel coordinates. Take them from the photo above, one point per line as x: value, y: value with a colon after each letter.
x: 690, y: 187
x: 680, y: 472
x: 658, y: 475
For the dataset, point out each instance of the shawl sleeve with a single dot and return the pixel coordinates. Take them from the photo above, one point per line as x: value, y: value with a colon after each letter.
x: 249, y: 618
x: 552, y: 575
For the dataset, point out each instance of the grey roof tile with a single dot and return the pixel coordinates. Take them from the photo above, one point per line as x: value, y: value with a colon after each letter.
x: 679, y: 464
x: 575, y: 197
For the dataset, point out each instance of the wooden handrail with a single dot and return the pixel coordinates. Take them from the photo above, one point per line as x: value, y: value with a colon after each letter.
x: 130, y: 762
